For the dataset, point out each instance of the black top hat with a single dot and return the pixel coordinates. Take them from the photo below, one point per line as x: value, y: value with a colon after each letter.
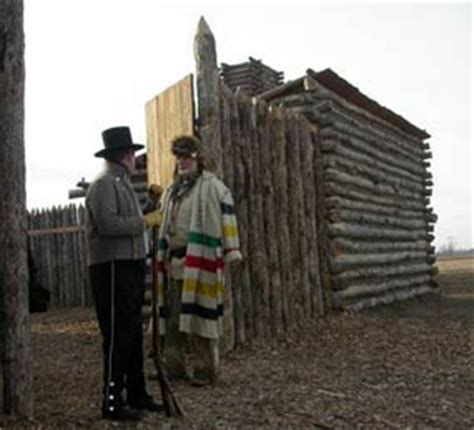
x: 117, y: 138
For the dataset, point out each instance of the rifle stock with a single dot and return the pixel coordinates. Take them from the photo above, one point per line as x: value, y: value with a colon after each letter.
x: 172, y: 405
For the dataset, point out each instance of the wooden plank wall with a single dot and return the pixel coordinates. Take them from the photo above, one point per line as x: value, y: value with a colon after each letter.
x: 168, y: 115
x: 58, y: 247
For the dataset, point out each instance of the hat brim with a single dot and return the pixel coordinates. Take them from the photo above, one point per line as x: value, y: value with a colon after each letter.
x: 107, y: 151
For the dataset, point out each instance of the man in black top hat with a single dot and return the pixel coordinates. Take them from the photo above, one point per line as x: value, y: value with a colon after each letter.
x: 116, y: 237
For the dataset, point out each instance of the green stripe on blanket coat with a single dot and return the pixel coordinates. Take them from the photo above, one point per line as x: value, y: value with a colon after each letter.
x: 162, y: 244
x: 204, y: 239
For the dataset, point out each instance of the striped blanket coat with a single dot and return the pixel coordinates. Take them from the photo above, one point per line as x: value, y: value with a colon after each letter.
x: 213, y: 241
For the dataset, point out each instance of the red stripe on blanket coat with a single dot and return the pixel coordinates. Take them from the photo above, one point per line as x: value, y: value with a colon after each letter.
x: 204, y: 263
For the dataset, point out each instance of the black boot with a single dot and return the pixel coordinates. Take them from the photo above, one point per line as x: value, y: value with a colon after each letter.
x: 122, y: 414
x: 114, y: 408
x: 146, y: 403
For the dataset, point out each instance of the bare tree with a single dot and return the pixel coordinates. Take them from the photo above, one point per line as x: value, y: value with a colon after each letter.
x: 16, y: 350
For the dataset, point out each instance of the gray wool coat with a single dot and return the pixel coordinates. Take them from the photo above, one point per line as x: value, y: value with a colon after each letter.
x: 114, y: 221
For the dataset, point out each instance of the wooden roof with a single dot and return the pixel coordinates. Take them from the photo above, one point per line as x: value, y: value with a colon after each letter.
x: 332, y: 81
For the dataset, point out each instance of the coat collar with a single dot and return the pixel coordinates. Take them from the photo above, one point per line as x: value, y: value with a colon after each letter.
x: 116, y: 170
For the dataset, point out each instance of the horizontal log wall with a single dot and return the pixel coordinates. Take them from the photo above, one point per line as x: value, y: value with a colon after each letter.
x: 58, y: 248
x: 252, y: 77
x: 139, y: 182
x: 376, y: 196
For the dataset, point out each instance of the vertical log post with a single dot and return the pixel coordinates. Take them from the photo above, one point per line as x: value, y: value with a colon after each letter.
x: 83, y: 256
x: 64, y: 269
x: 207, y: 79
x: 303, y: 290
x: 231, y: 176
x: 49, y: 246
x: 228, y: 178
x: 259, y: 261
x: 17, y: 367
x: 74, y: 255
x: 310, y: 195
x: 270, y: 216
x: 280, y: 180
x: 256, y: 320
x: 56, y: 258
x: 321, y: 228
x: 242, y: 277
x: 295, y: 304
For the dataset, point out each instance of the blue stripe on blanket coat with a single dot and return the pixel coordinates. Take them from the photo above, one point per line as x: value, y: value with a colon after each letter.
x: 195, y: 309
x: 227, y: 209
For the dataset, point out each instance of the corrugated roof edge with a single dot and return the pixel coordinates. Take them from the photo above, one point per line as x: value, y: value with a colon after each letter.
x: 332, y: 81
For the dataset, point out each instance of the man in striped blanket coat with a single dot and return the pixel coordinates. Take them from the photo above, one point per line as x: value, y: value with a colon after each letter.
x: 197, y: 238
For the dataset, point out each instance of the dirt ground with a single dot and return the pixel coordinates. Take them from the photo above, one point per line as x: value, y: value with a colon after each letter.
x: 408, y: 365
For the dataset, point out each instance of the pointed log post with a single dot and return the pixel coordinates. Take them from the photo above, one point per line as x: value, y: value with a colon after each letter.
x: 208, y: 90
x: 207, y: 77
x: 16, y: 349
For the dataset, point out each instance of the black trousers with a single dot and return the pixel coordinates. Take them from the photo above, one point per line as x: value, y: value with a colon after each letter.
x: 118, y: 289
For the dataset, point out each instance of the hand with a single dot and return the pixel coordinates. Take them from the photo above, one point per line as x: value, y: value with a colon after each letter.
x: 155, y: 190
x: 153, y: 219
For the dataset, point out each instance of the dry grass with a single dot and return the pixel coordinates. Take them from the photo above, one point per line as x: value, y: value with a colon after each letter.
x: 456, y: 274
x: 452, y: 264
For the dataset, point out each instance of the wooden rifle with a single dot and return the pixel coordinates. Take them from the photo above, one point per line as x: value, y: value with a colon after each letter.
x: 171, y: 404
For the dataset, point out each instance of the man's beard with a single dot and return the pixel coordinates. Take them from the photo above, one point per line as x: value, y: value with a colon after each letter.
x: 186, y: 171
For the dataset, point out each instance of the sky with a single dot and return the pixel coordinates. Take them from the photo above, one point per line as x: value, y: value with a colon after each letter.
x: 93, y: 64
